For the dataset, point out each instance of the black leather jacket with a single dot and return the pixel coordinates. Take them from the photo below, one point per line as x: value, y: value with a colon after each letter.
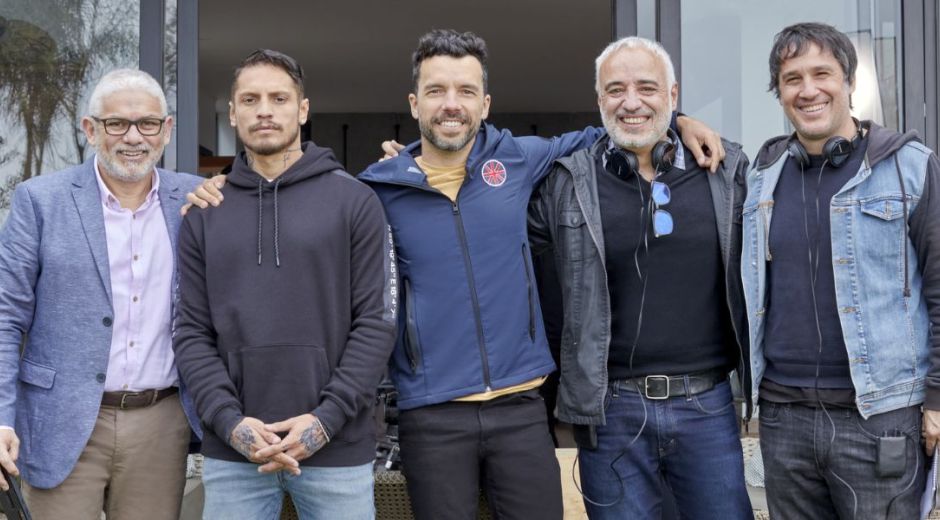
x: 564, y: 215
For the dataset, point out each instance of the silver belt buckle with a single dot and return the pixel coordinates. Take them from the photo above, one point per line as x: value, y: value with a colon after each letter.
x: 124, y: 396
x: 646, y: 387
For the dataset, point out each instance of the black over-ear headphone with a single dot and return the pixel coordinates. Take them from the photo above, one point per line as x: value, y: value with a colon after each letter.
x: 836, y: 151
x: 624, y: 163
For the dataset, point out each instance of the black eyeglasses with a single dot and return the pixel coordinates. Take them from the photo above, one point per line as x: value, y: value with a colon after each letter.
x: 662, y: 220
x: 148, y: 126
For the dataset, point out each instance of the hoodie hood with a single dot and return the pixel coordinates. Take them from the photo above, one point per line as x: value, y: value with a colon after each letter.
x: 313, y: 162
x: 882, y: 143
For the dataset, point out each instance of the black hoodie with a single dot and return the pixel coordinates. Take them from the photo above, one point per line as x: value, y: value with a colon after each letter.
x: 287, y: 303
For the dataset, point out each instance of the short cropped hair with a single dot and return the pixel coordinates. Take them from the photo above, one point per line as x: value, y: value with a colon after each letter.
x: 635, y: 42
x: 124, y: 79
x: 795, y: 40
x: 275, y: 59
x: 448, y: 42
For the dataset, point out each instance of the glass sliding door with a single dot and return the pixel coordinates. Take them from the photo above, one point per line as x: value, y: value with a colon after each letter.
x: 52, y: 52
x: 726, y: 44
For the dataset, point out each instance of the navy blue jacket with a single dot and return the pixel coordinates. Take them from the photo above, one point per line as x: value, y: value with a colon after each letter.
x: 470, y: 319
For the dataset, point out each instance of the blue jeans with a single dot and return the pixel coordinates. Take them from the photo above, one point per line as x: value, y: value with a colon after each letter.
x: 689, y: 443
x: 821, y: 464
x: 235, y: 491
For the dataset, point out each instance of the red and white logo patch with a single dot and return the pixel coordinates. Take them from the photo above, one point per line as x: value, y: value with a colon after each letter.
x: 494, y: 173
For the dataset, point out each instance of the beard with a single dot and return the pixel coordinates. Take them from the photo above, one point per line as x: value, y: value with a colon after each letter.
x: 116, y: 169
x: 632, y: 141
x: 263, y: 147
x: 448, y: 145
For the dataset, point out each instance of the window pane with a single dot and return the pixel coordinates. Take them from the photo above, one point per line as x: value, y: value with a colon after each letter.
x: 169, y: 78
x: 52, y: 53
x: 725, y: 49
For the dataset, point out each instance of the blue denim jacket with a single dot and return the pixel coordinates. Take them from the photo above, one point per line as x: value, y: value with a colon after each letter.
x: 886, y: 332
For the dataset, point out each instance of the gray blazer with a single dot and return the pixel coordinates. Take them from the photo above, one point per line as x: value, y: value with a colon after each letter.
x: 55, y: 288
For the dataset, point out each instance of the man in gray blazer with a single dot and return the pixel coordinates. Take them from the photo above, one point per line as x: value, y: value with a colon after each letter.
x: 91, y: 415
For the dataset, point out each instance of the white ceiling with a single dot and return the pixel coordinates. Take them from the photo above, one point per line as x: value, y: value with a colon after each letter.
x: 356, y: 54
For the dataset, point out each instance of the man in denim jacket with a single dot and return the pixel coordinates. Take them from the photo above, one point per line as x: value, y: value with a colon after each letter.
x: 841, y: 302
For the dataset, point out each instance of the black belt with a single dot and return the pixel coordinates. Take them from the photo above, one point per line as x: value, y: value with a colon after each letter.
x: 142, y: 399
x: 664, y: 387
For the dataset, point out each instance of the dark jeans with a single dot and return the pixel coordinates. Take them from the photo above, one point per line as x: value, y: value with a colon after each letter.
x: 690, y: 442
x: 820, y: 463
x: 451, y: 450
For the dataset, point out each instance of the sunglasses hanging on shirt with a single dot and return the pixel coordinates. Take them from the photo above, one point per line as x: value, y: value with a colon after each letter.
x: 625, y: 164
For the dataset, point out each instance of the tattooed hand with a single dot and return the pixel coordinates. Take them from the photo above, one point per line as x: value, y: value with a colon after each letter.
x: 249, y: 437
x: 305, y: 436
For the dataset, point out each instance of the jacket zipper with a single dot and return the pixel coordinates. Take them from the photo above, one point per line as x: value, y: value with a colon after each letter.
x: 458, y: 221
x: 412, y: 346
x: 745, y: 379
x: 528, y: 286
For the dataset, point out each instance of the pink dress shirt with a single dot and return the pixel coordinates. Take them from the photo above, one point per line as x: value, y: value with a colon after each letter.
x: 141, y: 260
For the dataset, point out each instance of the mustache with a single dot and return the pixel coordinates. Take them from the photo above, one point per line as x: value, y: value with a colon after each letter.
x: 450, y: 117
x: 257, y: 126
x: 140, y: 148
x: 635, y: 113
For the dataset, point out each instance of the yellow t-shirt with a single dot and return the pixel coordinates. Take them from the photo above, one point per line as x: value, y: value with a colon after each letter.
x: 493, y: 394
x: 448, y: 180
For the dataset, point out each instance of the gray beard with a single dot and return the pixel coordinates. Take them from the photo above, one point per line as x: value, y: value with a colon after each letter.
x: 121, y: 174
x: 622, y: 141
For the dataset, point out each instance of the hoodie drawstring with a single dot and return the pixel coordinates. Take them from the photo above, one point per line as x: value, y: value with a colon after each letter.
x: 260, y: 221
x: 277, y: 248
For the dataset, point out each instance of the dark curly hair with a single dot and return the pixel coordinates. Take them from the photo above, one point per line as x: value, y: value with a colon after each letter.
x: 448, y: 42
x: 795, y: 40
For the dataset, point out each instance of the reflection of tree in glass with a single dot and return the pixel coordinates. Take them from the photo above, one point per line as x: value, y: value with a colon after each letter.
x: 169, y: 52
x: 6, y: 186
x: 51, y: 54
x: 100, y: 35
x: 28, y: 66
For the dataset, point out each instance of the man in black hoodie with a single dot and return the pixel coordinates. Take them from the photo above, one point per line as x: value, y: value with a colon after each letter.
x: 285, y: 324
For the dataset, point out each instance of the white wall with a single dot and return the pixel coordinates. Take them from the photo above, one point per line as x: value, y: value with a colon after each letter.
x: 725, y: 49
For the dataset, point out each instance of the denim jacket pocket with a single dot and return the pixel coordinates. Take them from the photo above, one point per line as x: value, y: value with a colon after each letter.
x: 884, y: 208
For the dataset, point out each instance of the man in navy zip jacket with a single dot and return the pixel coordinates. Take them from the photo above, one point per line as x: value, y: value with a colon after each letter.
x: 471, y: 350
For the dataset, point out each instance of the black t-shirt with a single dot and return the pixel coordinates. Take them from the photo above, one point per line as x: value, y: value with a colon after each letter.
x: 685, y: 326
x: 800, y: 281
